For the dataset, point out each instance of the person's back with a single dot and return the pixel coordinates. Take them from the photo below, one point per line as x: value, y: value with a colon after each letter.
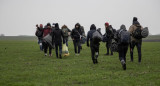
x: 46, y: 31
x: 57, y: 34
x: 135, y: 41
x: 93, y: 45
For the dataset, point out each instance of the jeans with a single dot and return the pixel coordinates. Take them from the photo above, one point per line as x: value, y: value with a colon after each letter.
x: 46, y: 45
x: 76, y: 44
x: 138, y: 45
x: 122, y: 50
x: 66, y: 41
x: 108, y: 44
x: 40, y: 44
x: 60, y: 48
x: 94, y: 50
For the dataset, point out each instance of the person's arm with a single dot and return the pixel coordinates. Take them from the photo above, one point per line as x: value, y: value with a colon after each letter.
x: 88, y: 39
x: 131, y: 29
x: 62, y: 37
x: 69, y: 30
x: 72, y: 32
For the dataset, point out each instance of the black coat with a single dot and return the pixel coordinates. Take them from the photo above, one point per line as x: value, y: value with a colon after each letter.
x: 57, y: 35
x: 76, y: 32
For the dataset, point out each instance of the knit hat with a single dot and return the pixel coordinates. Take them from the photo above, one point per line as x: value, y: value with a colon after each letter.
x: 107, y: 24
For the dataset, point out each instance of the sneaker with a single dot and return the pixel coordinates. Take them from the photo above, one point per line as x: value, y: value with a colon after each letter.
x: 123, y: 64
x: 50, y: 54
x: 60, y: 56
x: 45, y: 54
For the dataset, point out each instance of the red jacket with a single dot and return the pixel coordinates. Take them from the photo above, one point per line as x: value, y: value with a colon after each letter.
x: 46, y: 31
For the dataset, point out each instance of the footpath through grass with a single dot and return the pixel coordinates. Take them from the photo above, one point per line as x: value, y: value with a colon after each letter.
x: 23, y: 64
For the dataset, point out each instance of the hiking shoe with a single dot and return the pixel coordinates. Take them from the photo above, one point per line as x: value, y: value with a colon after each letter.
x: 45, y: 54
x: 123, y: 64
x: 60, y: 56
x: 50, y: 54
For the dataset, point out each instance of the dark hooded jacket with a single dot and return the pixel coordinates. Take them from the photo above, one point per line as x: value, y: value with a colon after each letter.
x: 76, y: 32
x: 90, y: 33
x: 57, y: 34
x: 122, y: 27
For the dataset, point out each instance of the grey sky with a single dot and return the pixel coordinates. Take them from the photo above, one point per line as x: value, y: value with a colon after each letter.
x: 19, y: 17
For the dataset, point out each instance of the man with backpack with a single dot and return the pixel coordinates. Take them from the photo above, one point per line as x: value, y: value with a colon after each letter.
x: 65, y: 31
x: 109, y: 35
x: 39, y: 34
x: 76, y: 37
x: 47, y: 30
x: 123, y: 40
x: 136, y: 38
x: 57, y: 36
x: 94, y: 37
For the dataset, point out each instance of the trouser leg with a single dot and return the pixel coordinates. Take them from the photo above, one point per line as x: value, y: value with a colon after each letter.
x: 139, y: 51
x: 75, y: 46
x: 56, y: 46
x: 79, y: 46
x: 131, y: 50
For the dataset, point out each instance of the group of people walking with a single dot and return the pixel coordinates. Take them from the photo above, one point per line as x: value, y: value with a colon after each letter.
x: 121, y: 38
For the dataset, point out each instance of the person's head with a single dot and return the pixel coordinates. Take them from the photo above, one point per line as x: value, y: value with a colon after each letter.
x: 48, y: 25
x: 135, y: 19
x: 106, y: 24
x: 56, y: 25
x: 77, y: 26
x: 53, y: 25
x: 64, y: 26
x: 92, y: 27
x: 99, y: 29
x: 41, y: 26
x: 36, y: 25
x: 123, y: 27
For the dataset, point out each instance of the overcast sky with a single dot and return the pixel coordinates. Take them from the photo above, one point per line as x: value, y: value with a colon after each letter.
x: 19, y: 17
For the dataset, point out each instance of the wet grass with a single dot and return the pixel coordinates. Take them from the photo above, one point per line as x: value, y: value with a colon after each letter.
x: 23, y: 64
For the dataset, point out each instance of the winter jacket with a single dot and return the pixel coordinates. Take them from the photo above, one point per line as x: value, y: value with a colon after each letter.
x: 132, y: 29
x: 90, y: 33
x: 57, y: 34
x: 46, y: 31
x: 76, y: 32
x: 39, y: 29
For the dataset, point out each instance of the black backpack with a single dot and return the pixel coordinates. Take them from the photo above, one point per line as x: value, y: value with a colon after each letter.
x: 124, y: 37
x: 39, y: 33
x: 137, y: 33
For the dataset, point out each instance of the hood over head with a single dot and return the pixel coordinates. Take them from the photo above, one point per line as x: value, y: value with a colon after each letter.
x: 93, y: 27
x: 123, y: 27
x: 57, y: 26
x: 78, y: 25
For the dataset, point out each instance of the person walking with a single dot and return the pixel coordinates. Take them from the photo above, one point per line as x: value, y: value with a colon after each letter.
x: 57, y: 37
x: 94, y: 43
x: 123, y: 40
x: 136, y: 39
x: 76, y: 37
x: 65, y: 31
x: 47, y: 30
x: 39, y: 34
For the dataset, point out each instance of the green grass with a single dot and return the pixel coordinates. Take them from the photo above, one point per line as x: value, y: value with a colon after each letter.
x: 23, y: 64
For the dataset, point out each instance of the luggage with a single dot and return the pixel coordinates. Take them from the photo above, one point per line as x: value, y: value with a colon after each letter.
x: 83, y: 40
x: 96, y: 36
x: 48, y: 39
x: 124, y: 37
x: 65, y: 51
x: 114, y: 46
x: 145, y: 32
x: 137, y: 33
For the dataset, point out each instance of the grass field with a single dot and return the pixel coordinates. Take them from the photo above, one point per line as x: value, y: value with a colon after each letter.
x: 23, y: 64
